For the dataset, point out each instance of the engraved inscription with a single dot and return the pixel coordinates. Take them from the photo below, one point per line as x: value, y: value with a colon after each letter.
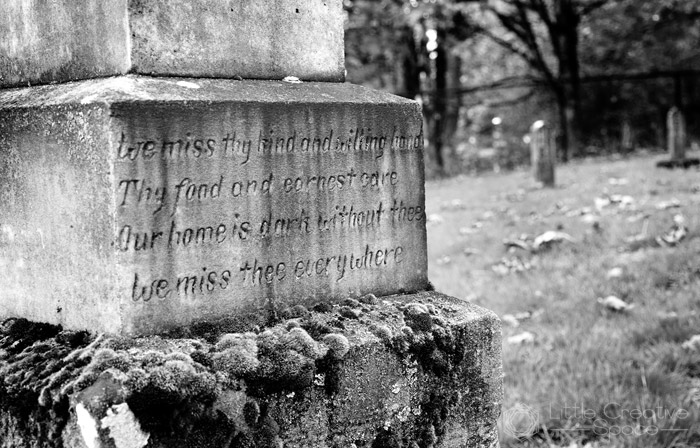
x: 263, y: 214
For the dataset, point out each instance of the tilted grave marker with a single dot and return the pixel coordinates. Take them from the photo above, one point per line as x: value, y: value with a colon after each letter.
x: 543, y: 154
x: 677, y: 141
x: 675, y: 127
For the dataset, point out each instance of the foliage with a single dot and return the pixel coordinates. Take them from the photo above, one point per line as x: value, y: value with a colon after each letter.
x: 595, y: 63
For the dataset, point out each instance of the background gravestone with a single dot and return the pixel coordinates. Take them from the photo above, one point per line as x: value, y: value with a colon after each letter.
x: 542, y: 152
x: 626, y: 137
x: 677, y: 140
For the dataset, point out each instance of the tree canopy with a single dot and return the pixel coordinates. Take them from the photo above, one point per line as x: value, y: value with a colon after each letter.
x: 570, y: 51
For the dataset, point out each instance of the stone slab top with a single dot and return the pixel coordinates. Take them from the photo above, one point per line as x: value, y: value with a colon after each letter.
x: 137, y: 88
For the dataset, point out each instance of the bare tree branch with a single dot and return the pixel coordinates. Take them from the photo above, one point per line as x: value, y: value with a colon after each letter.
x: 589, y: 7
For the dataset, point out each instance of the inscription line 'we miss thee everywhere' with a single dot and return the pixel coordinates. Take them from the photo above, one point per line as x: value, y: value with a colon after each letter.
x: 164, y: 197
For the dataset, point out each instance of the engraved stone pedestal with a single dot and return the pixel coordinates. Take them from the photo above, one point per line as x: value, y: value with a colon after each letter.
x: 135, y: 205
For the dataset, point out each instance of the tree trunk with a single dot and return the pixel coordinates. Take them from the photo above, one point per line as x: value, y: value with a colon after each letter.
x: 453, y: 105
x: 439, y: 109
x: 569, y: 74
x: 563, y: 134
x: 408, y: 65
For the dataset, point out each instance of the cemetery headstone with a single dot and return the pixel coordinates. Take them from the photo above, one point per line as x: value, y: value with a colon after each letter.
x: 677, y: 141
x: 675, y: 127
x: 627, y: 139
x: 543, y: 152
x: 220, y: 262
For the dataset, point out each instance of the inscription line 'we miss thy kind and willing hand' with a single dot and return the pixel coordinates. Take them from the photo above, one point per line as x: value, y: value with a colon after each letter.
x: 231, y: 146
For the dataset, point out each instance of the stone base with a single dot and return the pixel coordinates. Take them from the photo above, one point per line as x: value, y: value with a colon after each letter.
x: 678, y: 163
x: 421, y: 370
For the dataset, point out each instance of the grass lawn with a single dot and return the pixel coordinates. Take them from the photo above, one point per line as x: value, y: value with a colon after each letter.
x: 582, y: 375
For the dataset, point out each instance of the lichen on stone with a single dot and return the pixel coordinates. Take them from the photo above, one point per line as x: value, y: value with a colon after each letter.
x: 238, y: 388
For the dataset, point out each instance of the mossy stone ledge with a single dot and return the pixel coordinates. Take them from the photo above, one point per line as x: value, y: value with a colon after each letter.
x: 420, y: 370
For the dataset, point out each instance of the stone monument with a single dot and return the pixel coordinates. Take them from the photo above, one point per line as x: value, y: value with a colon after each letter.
x: 232, y: 259
x: 543, y: 152
x: 677, y: 141
x: 626, y: 137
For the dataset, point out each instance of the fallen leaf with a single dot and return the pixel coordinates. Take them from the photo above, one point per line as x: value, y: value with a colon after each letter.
x: 524, y: 315
x: 511, y: 265
x: 509, y: 319
x: 550, y: 237
x: 675, y: 235
x: 615, y: 304
x: 579, y: 212
x: 692, y: 344
x: 467, y: 230
x: 615, y: 272
x: 517, y: 244
x: 443, y: 260
x: 435, y: 219
x: 618, y: 181
x: 621, y: 201
x: 455, y: 204
x: 591, y: 219
x: 637, y: 217
x: 601, y: 203
x: 641, y: 236
x: 522, y: 338
x: 665, y: 205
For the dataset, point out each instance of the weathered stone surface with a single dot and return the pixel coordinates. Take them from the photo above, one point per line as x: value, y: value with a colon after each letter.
x: 253, y: 39
x: 45, y: 41
x: 136, y: 204
x: 386, y: 379
x: 63, y: 40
